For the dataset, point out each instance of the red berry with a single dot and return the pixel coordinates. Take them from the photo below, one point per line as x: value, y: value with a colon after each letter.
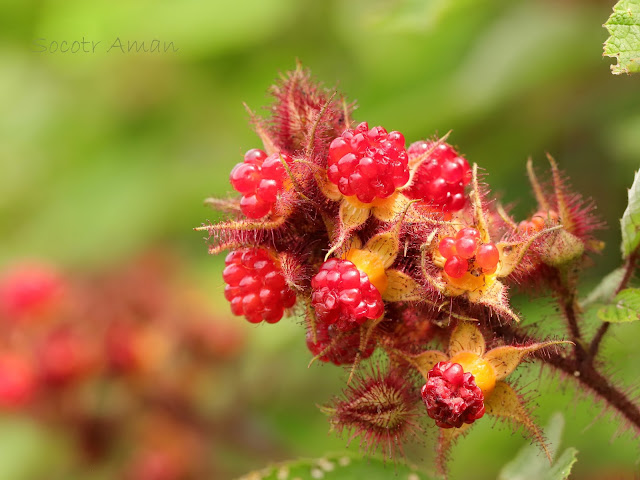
x: 343, y: 295
x: 256, y: 286
x: 121, y: 349
x: 344, y: 348
x: 452, y: 396
x: 467, y: 246
x: 260, y: 178
x: 447, y: 247
x: 155, y: 465
x: 29, y: 292
x: 441, y: 177
x: 17, y: 381
x: 367, y: 163
x: 65, y: 358
x: 452, y: 171
x: 456, y: 266
x: 255, y: 156
x: 468, y: 232
x: 488, y: 256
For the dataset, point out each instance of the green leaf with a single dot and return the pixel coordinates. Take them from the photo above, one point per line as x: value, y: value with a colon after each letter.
x: 529, y: 464
x: 337, y: 467
x: 626, y: 307
x: 605, y: 289
x: 561, y: 468
x: 624, y: 43
x: 630, y: 221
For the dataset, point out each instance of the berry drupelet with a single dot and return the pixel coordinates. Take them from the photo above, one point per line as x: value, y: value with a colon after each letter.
x: 256, y: 286
x: 368, y: 163
x: 260, y: 178
x: 441, y: 178
x: 452, y: 396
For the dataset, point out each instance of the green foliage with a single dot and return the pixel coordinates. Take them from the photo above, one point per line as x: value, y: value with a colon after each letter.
x: 22, y: 441
x: 605, y: 289
x: 630, y: 222
x: 339, y: 467
x: 529, y: 464
x: 624, y: 43
x: 625, y: 307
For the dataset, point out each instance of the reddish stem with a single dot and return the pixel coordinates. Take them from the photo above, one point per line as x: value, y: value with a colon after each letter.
x: 630, y: 267
x: 582, y: 371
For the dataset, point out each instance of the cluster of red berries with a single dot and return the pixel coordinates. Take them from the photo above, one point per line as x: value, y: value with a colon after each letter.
x: 344, y: 296
x: 256, y: 286
x: 368, y: 163
x: 260, y: 178
x: 452, y: 396
x: 135, y: 331
x: 441, y: 177
x: 466, y: 250
x: 368, y: 238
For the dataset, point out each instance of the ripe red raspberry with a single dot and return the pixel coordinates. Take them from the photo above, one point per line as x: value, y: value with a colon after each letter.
x: 17, y: 381
x: 344, y: 348
x: 367, y: 163
x: 452, y: 396
x: 343, y: 295
x: 441, y: 178
x: 260, y: 178
x: 256, y: 286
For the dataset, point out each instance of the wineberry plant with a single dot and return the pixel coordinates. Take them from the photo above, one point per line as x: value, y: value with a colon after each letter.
x: 396, y: 248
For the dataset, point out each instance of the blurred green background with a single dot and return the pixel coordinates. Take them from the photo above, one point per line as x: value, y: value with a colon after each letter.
x: 107, y: 153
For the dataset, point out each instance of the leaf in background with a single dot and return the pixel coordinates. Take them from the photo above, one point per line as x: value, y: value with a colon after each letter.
x: 624, y: 43
x: 28, y: 451
x: 337, y: 467
x: 630, y: 222
x: 626, y: 307
x: 529, y: 464
x: 605, y: 289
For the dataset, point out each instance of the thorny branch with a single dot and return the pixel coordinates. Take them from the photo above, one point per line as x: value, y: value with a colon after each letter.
x: 584, y: 372
x: 630, y: 267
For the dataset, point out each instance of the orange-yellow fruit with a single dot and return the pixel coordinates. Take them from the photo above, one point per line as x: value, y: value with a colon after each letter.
x: 372, y: 265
